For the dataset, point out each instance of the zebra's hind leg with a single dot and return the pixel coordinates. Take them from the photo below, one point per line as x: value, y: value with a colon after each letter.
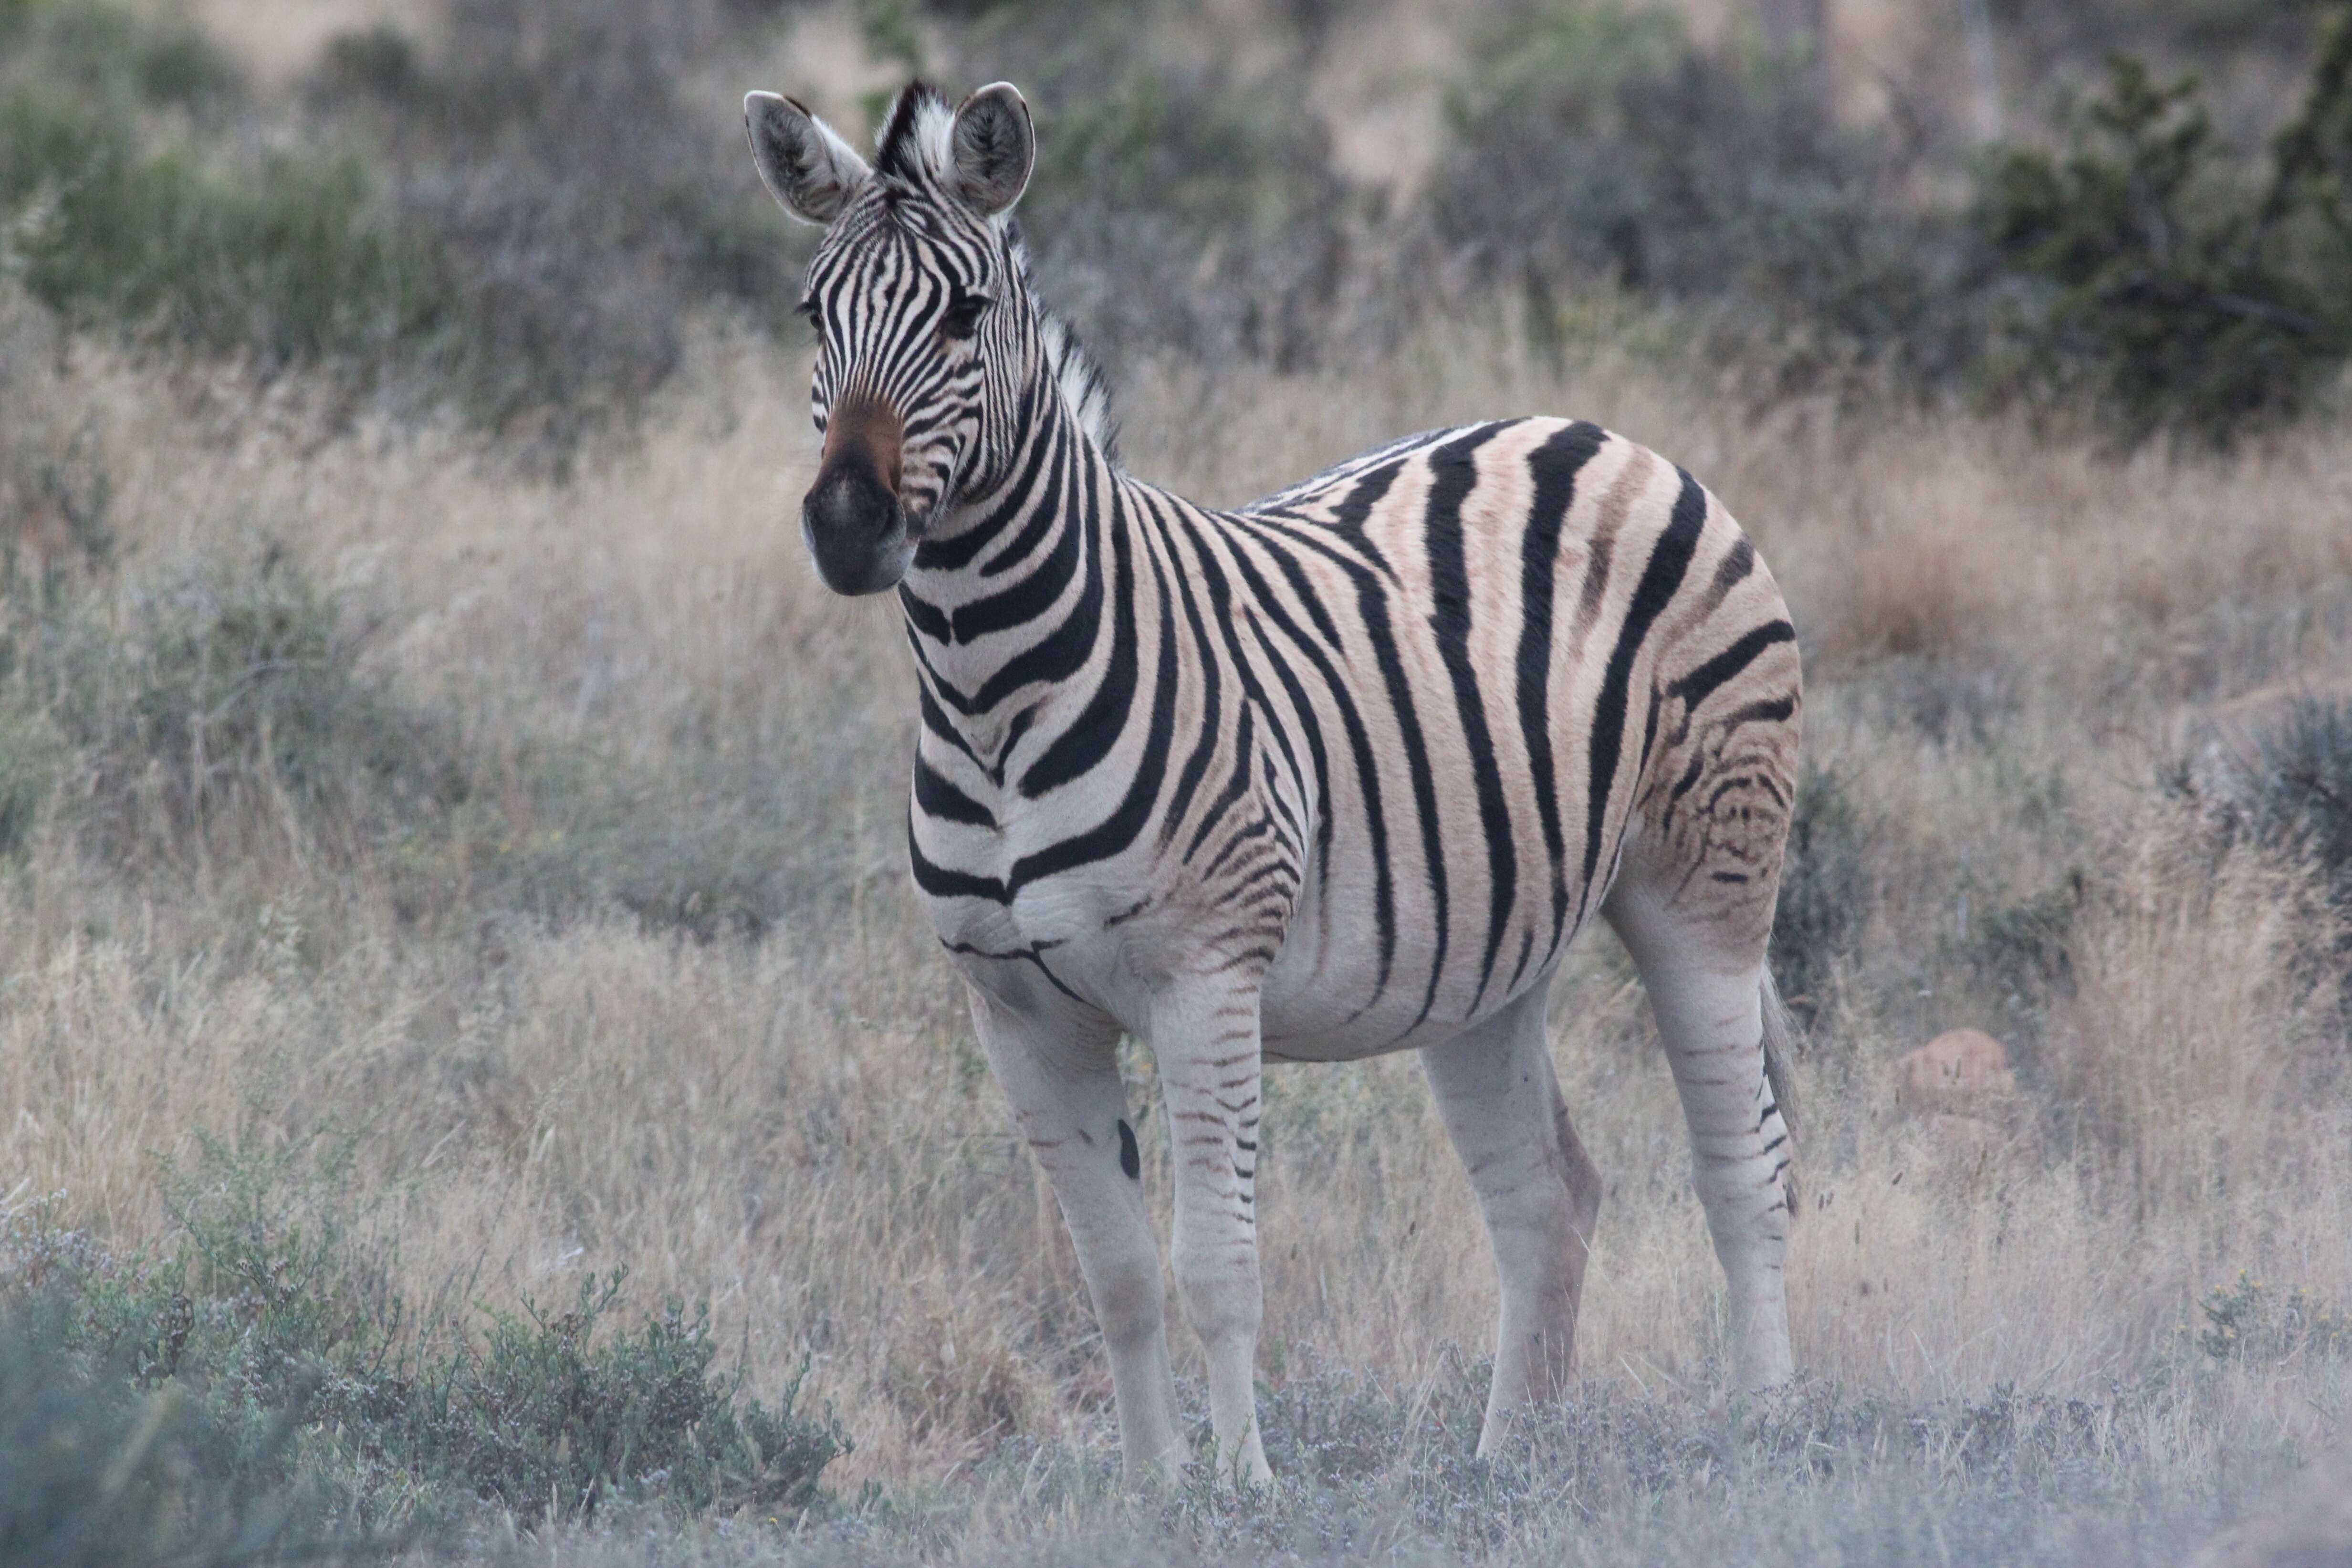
x: 1060, y: 1069
x: 1704, y: 975
x: 1537, y: 1189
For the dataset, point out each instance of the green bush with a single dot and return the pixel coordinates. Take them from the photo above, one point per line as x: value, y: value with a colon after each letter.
x: 220, y: 700
x: 548, y: 1419
x: 1826, y: 890
x: 292, y: 265
x: 267, y: 1329
x: 95, y: 1474
x: 1176, y: 204
x: 1596, y: 148
x: 2248, y: 1321
x: 577, y: 207
x: 2162, y: 280
x: 2297, y: 798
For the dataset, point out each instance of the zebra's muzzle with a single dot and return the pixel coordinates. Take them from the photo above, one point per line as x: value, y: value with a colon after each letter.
x: 852, y: 518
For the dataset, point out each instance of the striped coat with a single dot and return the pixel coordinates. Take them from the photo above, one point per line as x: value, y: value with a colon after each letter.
x: 1341, y: 772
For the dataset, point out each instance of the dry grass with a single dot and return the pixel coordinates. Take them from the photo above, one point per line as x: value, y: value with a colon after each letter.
x: 802, y: 1131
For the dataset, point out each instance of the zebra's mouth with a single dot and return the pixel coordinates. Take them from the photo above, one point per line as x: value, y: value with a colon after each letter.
x: 857, y: 533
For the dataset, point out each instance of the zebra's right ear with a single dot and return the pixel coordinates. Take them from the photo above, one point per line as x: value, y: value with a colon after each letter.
x: 811, y: 171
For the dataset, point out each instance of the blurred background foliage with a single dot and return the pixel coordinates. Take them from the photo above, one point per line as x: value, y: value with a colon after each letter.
x: 523, y: 208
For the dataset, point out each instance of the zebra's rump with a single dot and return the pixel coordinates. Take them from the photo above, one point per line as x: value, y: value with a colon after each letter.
x: 1547, y: 622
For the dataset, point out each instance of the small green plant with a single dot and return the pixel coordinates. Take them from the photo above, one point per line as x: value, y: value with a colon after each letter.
x: 549, y: 1419
x: 95, y: 1474
x: 267, y: 1330
x: 2161, y: 279
x: 2305, y: 801
x: 1826, y: 892
x: 2023, y: 949
x: 2250, y: 1321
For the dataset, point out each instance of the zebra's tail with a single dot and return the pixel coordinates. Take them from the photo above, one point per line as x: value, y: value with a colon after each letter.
x: 1779, y: 1040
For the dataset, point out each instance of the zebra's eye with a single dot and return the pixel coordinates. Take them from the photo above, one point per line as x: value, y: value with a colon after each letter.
x: 807, y: 312
x: 961, y: 318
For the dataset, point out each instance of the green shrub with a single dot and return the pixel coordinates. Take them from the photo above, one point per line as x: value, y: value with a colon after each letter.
x: 1176, y: 204
x: 219, y: 702
x: 2161, y: 279
x: 548, y: 1419
x: 267, y: 1329
x: 2303, y: 799
x: 293, y: 264
x: 94, y: 1474
x: 577, y: 207
x: 2250, y: 1321
x: 1826, y: 891
x: 2024, y: 951
x: 1596, y: 148
x: 2291, y: 795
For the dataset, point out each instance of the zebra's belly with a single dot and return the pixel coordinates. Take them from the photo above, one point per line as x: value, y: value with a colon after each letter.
x: 1105, y: 939
x: 1327, y: 999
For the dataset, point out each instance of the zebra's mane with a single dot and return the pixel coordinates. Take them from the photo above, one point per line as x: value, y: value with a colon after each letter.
x: 916, y: 147
x: 1086, y: 390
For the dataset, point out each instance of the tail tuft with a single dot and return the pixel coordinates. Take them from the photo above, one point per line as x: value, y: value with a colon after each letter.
x: 1779, y: 1040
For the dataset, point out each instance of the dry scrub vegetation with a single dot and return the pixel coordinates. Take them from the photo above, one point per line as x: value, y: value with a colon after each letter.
x: 642, y: 986
x: 451, y: 847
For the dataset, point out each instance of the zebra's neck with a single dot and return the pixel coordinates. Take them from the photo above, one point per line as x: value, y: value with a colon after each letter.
x: 1009, y: 600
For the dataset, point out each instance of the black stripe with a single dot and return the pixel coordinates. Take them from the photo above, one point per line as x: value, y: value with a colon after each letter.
x: 1049, y: 510
x: 1454, y: 470
x: 1669, y: 560
x: 936, y: 796
x: 1701, y: 683
x: 1118, y: 830
x: 956, y: 554
x: 937, y: 722
x: 1222, y: 618
x: 1554, y: 467
x: 1235, y: 787
x: 940, y: 882
x: 922, y: 615
x: 1034, y: 594
x: 1196, y: 764
x: 1064, y: 651
x: 1371, y: 605
x: 1079, y: 749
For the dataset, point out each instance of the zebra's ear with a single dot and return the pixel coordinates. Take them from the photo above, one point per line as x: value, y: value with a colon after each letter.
x: 994, y: 147
x: 809, y: 170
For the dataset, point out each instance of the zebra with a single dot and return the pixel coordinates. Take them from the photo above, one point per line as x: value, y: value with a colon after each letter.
x: 1338, y: 773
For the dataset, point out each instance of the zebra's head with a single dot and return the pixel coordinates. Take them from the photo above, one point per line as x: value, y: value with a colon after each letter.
x: 920, y: 300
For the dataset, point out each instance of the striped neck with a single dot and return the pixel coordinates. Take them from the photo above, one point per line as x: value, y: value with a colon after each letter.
x: 1007, y: 602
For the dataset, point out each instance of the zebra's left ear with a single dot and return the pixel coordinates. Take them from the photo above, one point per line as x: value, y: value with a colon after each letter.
x: 994, y: 147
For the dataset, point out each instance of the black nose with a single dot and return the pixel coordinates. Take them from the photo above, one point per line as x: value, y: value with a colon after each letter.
x: 851, y: 522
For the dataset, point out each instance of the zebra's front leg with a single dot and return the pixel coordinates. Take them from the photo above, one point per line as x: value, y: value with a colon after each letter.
x: 1205, y: 1035
x: 1059, y: 1068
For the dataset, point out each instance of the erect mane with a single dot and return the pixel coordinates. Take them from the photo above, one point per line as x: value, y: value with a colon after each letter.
x: 914, y: 142
x: 1086, y: 391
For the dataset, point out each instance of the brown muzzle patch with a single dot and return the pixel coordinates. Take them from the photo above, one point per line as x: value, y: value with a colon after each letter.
x: 867, y: 426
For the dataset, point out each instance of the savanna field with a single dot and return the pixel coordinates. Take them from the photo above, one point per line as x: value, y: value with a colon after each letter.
x: 475, y: 1082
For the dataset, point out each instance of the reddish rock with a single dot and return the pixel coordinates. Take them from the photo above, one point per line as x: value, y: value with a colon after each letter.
x: 1957, y: 1073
